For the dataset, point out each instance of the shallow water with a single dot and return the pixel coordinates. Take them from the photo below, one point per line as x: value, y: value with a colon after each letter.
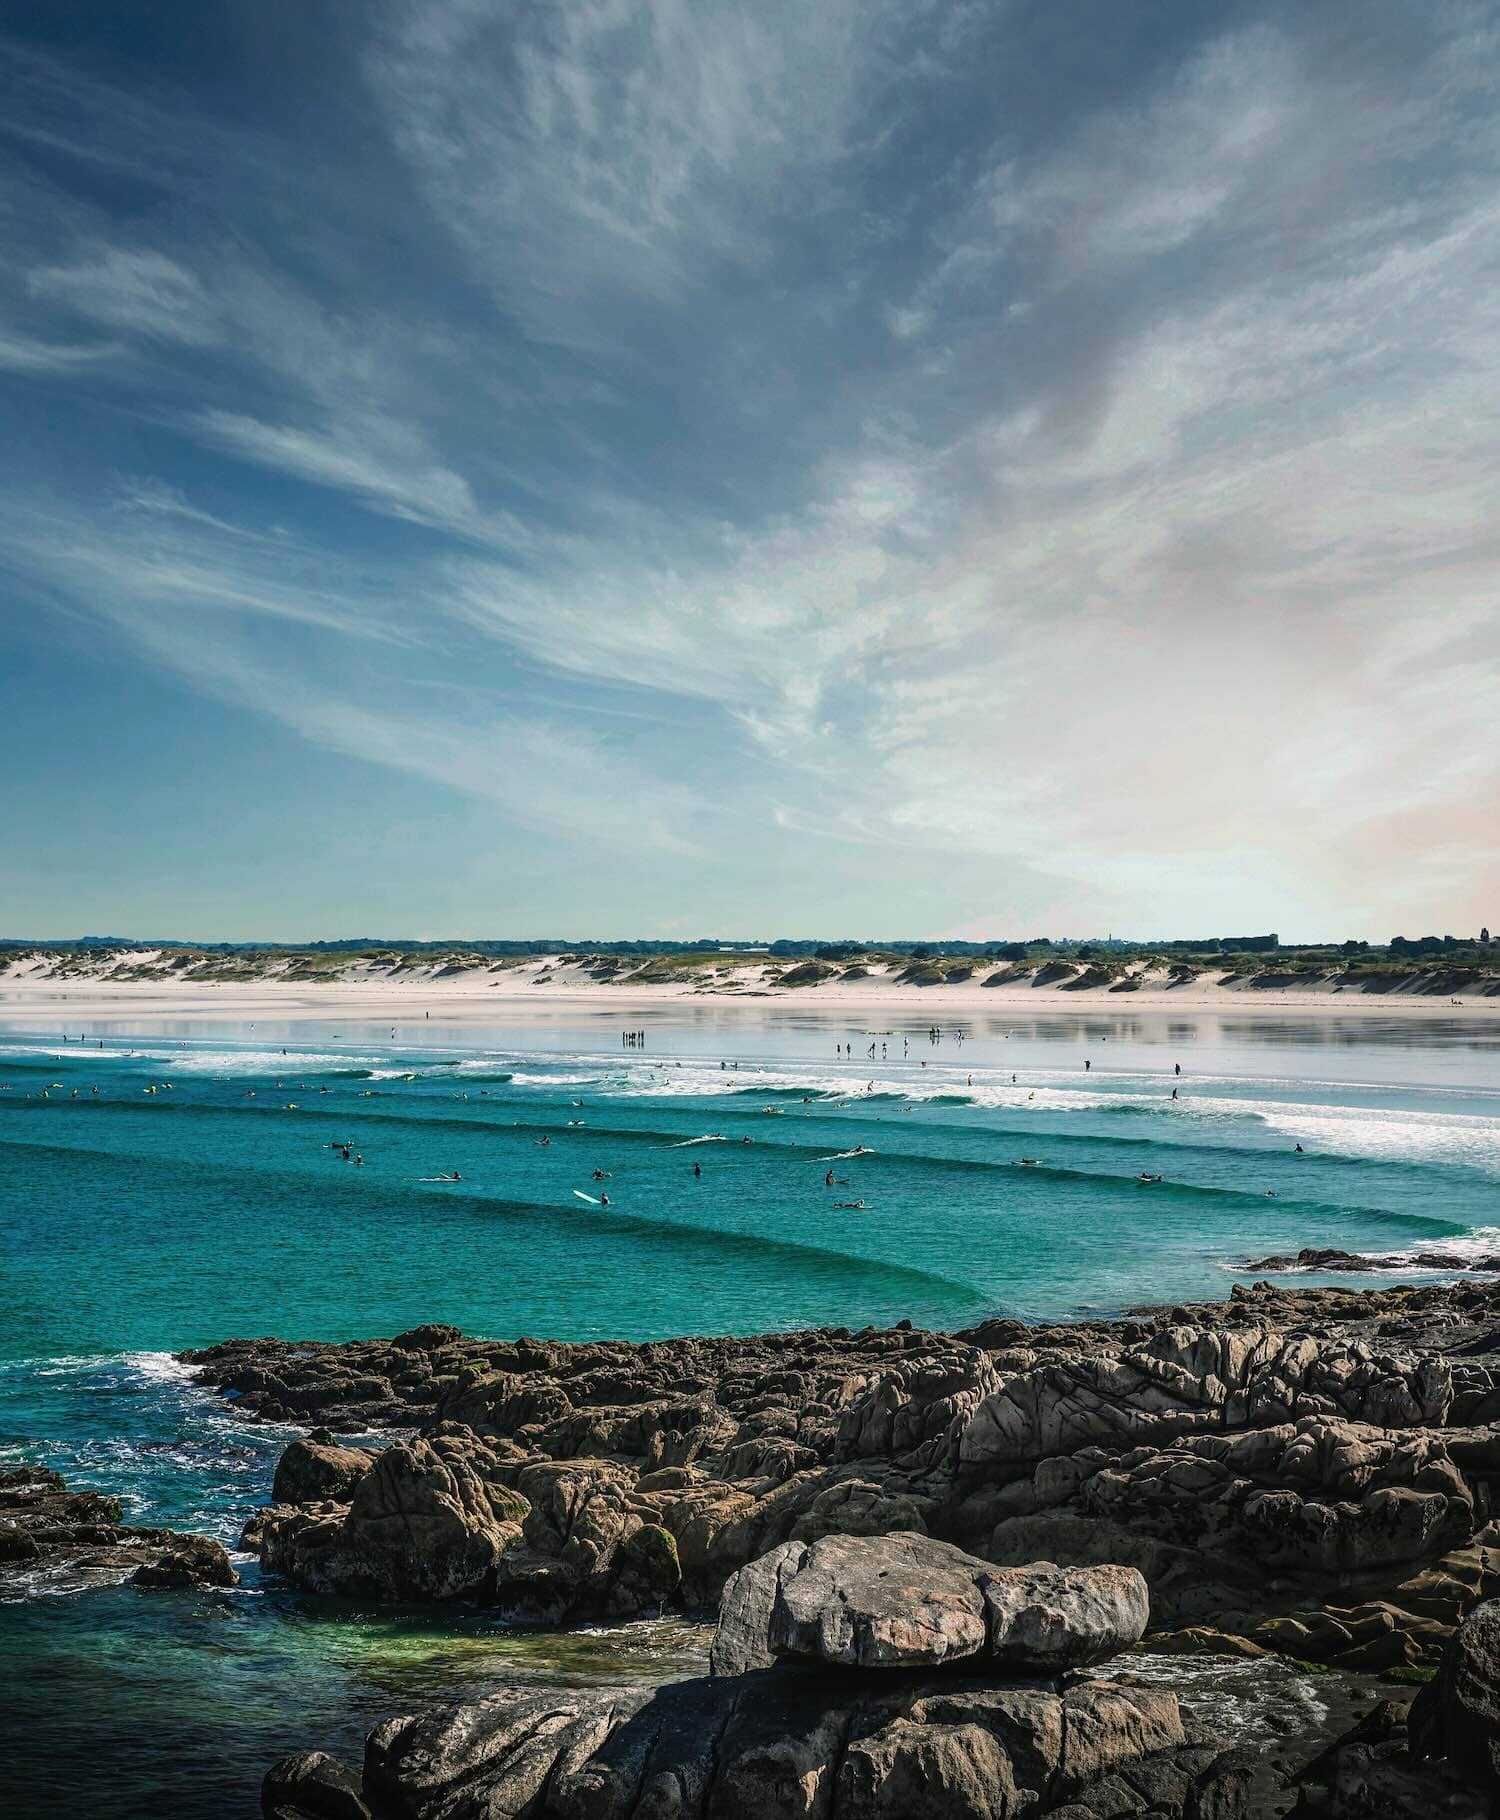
x: 136, y: 1222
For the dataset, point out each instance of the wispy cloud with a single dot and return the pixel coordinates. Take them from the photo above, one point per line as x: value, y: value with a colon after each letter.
x: 1092, y: 477
x: 29, y: 354
x: 388, y: 464
x: 142, y: 292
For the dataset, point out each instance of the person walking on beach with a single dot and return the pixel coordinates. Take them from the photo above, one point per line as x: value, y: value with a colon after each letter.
x: 1087, y: 1065
x: 1177, y: 1067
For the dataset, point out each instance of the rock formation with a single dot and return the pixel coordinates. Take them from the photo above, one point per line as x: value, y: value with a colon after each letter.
x: 1448, y: 1260
x: 907, y: 1601
x: 1312, y: 1472
x: 76, y: 1537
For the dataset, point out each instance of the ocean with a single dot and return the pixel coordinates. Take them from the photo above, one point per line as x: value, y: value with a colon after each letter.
x: 168, y: 1186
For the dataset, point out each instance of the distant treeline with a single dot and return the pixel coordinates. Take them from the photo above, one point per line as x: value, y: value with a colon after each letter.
x: 1237, y: 950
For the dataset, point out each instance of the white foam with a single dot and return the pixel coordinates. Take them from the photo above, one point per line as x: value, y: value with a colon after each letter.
x: 160, y: 1367
x: 553, y: 1080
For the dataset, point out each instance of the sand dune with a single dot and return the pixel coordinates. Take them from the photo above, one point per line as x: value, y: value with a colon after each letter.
x: 169, y: 983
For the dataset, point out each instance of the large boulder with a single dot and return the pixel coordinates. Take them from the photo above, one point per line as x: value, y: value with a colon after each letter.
x: 1048, y: 1618
x: 426, y: 1521
x: 314, y: 1471
x: 742, y: 1635
x: 907, y: 1601
x: 900, y: 1601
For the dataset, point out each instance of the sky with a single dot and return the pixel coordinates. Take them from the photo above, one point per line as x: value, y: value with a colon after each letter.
x: 665, y: 467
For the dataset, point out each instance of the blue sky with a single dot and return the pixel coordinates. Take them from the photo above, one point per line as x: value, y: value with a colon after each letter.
x: 680, y: 468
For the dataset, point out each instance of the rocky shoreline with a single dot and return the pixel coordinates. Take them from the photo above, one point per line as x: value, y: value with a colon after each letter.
x: 1311, y: 1473
x: 55, y: 1536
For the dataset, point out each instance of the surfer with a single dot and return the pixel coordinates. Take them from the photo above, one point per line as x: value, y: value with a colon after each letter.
x: 1300, y: 1151
x: 828, y: 1179
x: 697, y: 1170
x: 358, y: 1158
x: 603, y: 1200
x: 599, y: 1175
x: 1174, y: 1093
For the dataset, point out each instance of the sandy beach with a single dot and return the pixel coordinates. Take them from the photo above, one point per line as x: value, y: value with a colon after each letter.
x: 545, y: 986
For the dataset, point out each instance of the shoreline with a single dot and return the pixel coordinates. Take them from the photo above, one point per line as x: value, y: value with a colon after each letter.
x: 516, y: 993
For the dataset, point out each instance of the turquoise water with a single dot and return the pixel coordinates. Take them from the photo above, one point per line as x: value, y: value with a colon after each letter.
x: 134, y: 1222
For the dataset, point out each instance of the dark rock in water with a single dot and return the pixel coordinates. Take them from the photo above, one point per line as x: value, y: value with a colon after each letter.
x: 17, y: 1545
x: 312, y: 1786
x: 1376, y: 1772
x: 1484, y: 1263
x: 76, y: 1538
x: 188, y: 1561
x: 1310, y: 1259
